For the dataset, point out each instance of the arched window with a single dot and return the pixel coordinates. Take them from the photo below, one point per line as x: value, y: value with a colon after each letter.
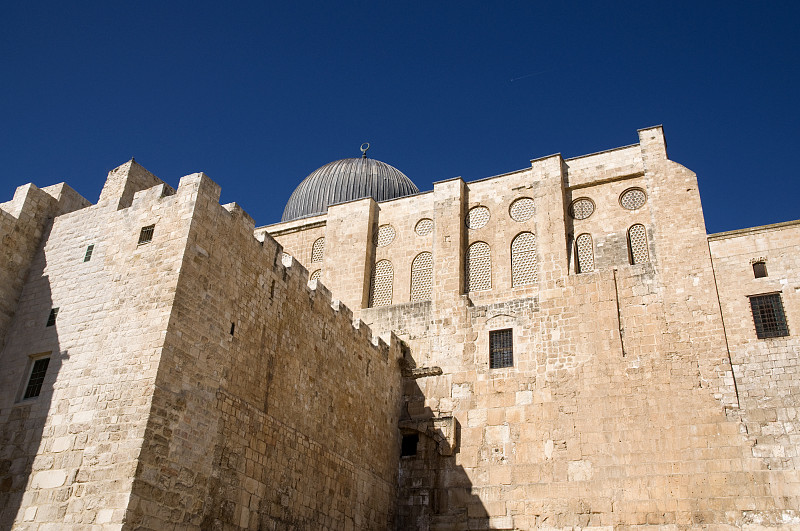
x: 316, y: 275
x: 637, y: 244
x: 380, y: 292
x: 421, y: 272
x: 523, y: 259
x: 479, y: 267
x: 317, y: 250
x: 584, y: 254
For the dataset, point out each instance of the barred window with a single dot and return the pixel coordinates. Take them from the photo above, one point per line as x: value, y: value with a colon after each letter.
x: 501, y: 348
x: 88, y: 255
x: 317, y: 250
x: 637, y: 244
x: 36, y: 379
x: 421, y: 273
x: 146, y: 236
x: 380, y: 293
x: 315, y: 275
x: 768, y: 316
x: 523, y: 259
x: 584, y: 254
x: 479, y: 267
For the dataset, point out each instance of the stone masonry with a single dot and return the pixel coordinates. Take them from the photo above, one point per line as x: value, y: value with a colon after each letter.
x: 564, y: 347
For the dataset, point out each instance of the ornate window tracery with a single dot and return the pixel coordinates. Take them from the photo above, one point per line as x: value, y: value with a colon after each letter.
x: 479, y: 267
x: 523, y: 259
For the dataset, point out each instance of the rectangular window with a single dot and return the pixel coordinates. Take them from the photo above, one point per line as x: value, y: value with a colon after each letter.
x: 88, y: 255
x: 146, y: 236
x: 36, y: 379
x: 501, y: 349
x: 759, y: 269
x: 51, y: 319
x: 768, y: 316
x: 408, y: 447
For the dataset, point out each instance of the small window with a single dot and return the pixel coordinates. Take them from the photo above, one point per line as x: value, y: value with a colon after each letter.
x: 36, y: 379
x: 88, y: 255
x: 409, y: 445
x: 637, y: 244
x: 759, y: 269
x: 146, y: 236
x: 51, y: 319
x: 768, y: 316
x: 233, y: 328
x: 317, y: 250
x: 501, y: 349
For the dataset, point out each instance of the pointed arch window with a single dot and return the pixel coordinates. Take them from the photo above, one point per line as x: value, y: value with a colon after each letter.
x: 478, y: 267
x: 637, y: 244
x: 421, y: 276
x: 523, y: 259
x: 380, y: 293
x: 584, y: 254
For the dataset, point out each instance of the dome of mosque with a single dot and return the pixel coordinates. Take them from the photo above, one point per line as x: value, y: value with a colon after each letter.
x: 346, y: 180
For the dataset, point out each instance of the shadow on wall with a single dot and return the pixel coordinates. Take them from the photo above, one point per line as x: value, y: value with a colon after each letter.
x: 434, y: 492
x: 22, y: 421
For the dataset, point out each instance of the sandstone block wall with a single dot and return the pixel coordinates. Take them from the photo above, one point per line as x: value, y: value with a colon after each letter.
x: 766, y: 370
x: 68, y: 456
x: 194, y: 380
x: 620, y: 408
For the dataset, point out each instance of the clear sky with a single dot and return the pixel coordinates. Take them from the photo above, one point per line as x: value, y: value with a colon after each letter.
x: 258, y: 95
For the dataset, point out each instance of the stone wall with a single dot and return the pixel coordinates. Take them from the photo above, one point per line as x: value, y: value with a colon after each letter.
x: 194, y: 380
x: 270, y: 408
x: 68, y: 456
x: 767, y: 370
x: 23, y: 222
x: 620, y: 408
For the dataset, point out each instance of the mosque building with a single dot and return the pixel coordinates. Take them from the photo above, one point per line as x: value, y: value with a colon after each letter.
x: 560, y: 347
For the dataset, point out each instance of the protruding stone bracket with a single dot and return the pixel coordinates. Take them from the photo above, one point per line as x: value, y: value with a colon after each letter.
x: 421, y: 372
x: 441, y: 429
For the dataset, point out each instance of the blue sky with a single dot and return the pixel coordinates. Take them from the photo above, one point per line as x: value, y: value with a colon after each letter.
x: 258, y: 95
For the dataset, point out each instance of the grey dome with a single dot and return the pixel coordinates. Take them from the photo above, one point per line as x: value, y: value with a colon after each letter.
x: 346, y: 180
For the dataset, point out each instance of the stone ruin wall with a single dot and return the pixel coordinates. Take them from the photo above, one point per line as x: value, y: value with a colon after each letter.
x: 153, y: 414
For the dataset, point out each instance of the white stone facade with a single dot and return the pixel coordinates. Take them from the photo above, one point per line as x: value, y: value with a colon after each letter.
x: 200, y: 380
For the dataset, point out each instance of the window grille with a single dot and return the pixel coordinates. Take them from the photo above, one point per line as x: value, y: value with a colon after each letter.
x: 88, y: 255
x: 477, y: 217
x: 581, y: 208
x: 479, y: 267
x: 759, y: 269
x: 768, y: 316
x: 316, y: 275
x: 633, y: 198
x: 381, y: 285
x: 317, y: 250
x: 146, y: 236
x: 501, y: 348
x: 421, y: 273
x: 584, y: 253
x: 36, y: 379
x: 523, y: 259
x: 51, y: 319
x: 385, y: 235
x: 424, y: 227
x: 637, y: 244
x: 521, y: 209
